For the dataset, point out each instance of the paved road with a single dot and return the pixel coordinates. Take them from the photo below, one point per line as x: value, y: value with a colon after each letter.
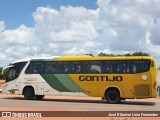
x: 77, y: 104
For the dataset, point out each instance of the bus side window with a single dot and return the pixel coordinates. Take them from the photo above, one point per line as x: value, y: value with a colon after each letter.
x: 35, y: 68
x: 50, y: 67
x: 134, y: 68
x: 85, y: 67
x: 76, y: 67
x: 38, y: 68
x: 124, y: 70
x: 107, y: 67
x: 66, y: 67
x: 95, y: 67
x: 128, y: 69
x: 119, y: 69
x: 59, y: 67
x: 29, y: 69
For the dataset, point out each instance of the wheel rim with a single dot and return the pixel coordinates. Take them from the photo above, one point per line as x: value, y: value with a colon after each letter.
x: 29, y: 94
x: 112, y: 97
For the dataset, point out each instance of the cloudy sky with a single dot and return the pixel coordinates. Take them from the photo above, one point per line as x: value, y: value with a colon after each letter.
x: 67, y: 27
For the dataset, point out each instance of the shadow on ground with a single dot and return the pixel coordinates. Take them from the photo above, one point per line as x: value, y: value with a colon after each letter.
x: 123, y: 102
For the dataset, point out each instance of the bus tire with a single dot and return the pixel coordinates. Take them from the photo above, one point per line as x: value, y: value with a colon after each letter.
x: 112, y: 96
x: 39, y: 97
x: 29, y: 93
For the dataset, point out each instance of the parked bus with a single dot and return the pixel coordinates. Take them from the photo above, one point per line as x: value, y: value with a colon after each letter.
x: 112, y: 78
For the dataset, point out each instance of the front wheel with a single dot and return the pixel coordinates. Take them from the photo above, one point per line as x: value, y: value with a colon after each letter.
x: 39, y: 97
x: 29, y: 93
x: 112, y: 96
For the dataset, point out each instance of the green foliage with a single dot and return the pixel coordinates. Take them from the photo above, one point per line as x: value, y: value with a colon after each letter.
x: 140, y: 54
x: 128, y: 54
x: 104, y: 54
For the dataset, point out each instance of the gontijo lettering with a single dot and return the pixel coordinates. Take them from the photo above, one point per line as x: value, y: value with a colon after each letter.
x: 101, y: 78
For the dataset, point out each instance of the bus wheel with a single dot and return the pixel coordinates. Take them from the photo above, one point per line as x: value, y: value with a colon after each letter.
x: 112, y: 96
x: 39, y: 97
x: 29, y: 93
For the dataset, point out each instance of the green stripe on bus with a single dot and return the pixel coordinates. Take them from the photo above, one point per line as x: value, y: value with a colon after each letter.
x: 54, y: 83
x: 42, y: 60
x: 68, y: 83
x: 61, y: 82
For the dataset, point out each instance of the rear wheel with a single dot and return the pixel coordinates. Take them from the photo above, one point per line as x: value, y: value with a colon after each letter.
x: 29, y: 93
x: 39, y: 97
x: 112, y: 96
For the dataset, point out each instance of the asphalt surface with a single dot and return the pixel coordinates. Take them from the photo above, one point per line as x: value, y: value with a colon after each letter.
x: 91, y: 108
x: 64, y: 103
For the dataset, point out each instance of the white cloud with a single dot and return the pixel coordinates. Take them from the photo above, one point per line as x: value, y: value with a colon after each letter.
x: 114, y: 27
x: 53, y: 47
x: 3, y: 56
x: 75, y: 51
x: 77, y: 32
x: 19, y: 36
x: 155, y: 34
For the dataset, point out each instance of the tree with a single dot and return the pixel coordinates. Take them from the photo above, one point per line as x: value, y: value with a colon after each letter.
x: 104, y: 54
x: 140, y: 54
x: 128, y: 54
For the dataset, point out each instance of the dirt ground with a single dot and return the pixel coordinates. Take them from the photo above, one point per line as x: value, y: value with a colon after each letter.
x: 2, y: 83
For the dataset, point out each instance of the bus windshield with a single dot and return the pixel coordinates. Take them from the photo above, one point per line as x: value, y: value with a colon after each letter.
x: 11, y: 72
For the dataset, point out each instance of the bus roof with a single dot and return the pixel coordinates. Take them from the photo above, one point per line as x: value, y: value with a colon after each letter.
x: 103, y: 57
x: 83, y: 57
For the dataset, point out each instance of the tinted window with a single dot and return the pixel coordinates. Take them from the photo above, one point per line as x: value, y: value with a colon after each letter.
x: 63, y: 67
x: 14, y: 71
x: 95, y: 67
x: 86, y: 67
x: 66, y: 67
x: 91, y: 67
x: 127, y: 66
x: 50, y: 67
x: 35, y: 68
x: 76, y: 67
x: 141, y: 66
x: 12, y: 74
